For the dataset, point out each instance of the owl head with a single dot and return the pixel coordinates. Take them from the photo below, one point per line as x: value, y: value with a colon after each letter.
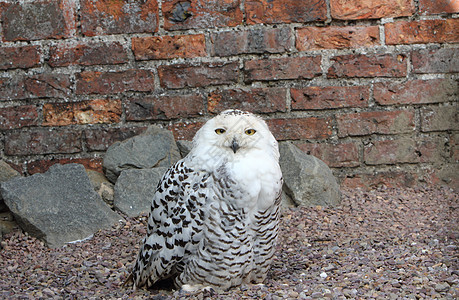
x: 234, y: 133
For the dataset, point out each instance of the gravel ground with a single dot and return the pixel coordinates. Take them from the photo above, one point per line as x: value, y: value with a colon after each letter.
x: 385, y: 243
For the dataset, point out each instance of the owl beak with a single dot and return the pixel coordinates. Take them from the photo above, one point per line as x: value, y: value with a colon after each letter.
x: 234, y: 145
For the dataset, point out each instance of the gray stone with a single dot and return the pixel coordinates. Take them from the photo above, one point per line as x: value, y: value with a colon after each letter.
x: 155, y: 147
x: 58, y: 206
x: 6, y: 173
x: 184, y: 147
x: 308, y: 181
x: 103, y: 187
x: 134, y: 190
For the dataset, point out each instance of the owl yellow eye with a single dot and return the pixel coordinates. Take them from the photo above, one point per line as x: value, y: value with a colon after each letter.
x: 220, y: 131
x: 250, y: 131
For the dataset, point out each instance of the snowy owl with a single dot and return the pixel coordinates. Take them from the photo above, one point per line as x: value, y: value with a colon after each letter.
x: 215, y: 213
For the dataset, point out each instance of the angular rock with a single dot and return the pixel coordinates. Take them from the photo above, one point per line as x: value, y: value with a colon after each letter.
x: 308, y: 181
x: 134, y: 190
x: 103, y: 187
x: 184, y: 147
x: 6, y: 173
x: 155, y: 147
x: 58, y: 206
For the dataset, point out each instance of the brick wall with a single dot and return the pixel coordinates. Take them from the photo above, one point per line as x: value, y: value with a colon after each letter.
x: 368, y: 86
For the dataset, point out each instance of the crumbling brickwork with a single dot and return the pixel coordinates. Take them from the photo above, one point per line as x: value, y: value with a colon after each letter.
x: 368, y: 86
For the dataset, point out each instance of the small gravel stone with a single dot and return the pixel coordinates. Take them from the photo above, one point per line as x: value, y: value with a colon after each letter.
x: 379, y: 244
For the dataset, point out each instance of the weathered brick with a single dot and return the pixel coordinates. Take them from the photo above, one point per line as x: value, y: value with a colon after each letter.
x: 179, y: 14
x: 254, y: 40
x: 445, y: 174
x: 118, y: 17
x: 84, y: 112
x: 41, y: 166
x: 416, y: 91
x: 185, y: 130
x: 91, y: 82
x: 184, y: 75
x: 383, y: 122
x: 166, y: 47
x: 392, y: 179
x: 301, y: 128
x: 423, y: 31
x: 430, y: 7
x: 317, y: 97
x: 256, y: 100
x: 404, y: 150
x: 334, y: 155
x: 37, y: 20
x: 18, y: 116
x: 372, y: 65
x: 445, y: 60
x: 164, y: 107
x: 370, y: 9
x: 440, y: 118
x: 99, y: 139
x: 93, y: 53
x: 282, y: 68
x: 285, y: 11
x: 19, y: 57
x: 336, y: 37
x: 34, y: 86
x: 42, y: 141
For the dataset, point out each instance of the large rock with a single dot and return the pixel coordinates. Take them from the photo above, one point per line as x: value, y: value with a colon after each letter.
x: 58, y: 206
x: 155, y: 147
x: 308, y: 181
x: 134, y: 190
x: 6, y: 173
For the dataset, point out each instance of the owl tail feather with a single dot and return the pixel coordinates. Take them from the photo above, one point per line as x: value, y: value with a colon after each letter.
x: 129, y: 281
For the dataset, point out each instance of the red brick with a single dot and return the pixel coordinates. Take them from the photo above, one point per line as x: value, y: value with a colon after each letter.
x: 383, y: 122
x: 166, y: 47
x: 373, y: 65
x: 91, y: 82
x: 42, y: 141
x: 445, y: 174
x: 440, y: 118
x: 256, y: 100
x: 41, y: 166
x: 336, y: 37
x: 431, y: 7
x: 164, y: 107
x: 99, y: 139
x: 445, y: 60
x: 19, y: 57
x: 423, y: 31
x: 18, y: 116
x: 84, y: 112
x: 185, y: 131
x: 118, y: 17
x: 317, y: 97
x: 391, y: 179
x: 301, y: 128
x: 254, y: 40
x: 35, y: 86
x: 285, y: 11
x: 179, y: 14
x: 370, y: 9
x: 282, y: 68
x: 95, y: 53
x: 404, y: 150
x: 334, y: 155
x: 416, y: 91
x: 185, y: 75
x: 38, y: 20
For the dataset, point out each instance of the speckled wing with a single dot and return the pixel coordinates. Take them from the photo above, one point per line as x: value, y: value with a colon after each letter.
x: 174, y: 225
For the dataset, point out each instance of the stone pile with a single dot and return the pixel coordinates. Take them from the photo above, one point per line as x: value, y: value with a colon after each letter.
x: 68, y: 204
